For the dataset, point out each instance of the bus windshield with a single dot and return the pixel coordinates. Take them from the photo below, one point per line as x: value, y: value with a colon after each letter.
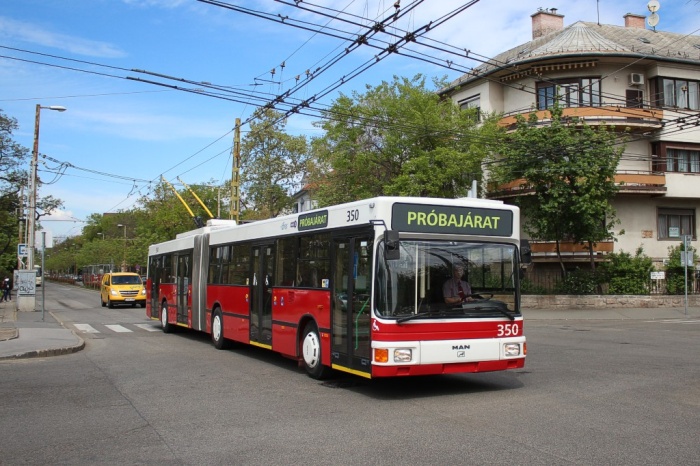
x: 422, y: 283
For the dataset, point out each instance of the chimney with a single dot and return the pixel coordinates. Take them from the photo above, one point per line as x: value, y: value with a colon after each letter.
x: 634, y: 21
x: 546, y: 21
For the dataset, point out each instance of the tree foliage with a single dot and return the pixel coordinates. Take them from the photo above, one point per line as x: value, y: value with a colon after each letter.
x: 273, y: 166
x: 398, y: 138
x: 570, y: 166
x: 13, y: 175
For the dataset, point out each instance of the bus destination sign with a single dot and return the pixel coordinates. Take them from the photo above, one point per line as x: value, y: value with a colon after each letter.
x: 313, y: 221
x: 426, y: 218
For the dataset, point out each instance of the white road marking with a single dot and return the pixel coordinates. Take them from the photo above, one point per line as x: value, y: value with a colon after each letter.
x: 148, y: 327
x: 118, y: 329
x: 86, y: 328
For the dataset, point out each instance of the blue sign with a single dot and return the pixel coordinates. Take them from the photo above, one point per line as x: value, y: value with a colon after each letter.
x: 22, y: 250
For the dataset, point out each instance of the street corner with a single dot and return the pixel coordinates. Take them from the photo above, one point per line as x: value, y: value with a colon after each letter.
x: 40, y: 343
x: 8, y: 334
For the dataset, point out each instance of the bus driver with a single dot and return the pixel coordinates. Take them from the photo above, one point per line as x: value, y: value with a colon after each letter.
x: 455, y: 290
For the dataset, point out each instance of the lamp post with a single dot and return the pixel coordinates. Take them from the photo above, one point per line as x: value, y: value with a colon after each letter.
x: 31, y: 218
x: 124, y: 259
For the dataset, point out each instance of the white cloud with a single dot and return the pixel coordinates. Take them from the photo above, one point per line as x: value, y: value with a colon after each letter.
x: 34, y: 34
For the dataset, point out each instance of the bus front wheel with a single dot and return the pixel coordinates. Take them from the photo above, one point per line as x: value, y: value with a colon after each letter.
x: 311, y: 353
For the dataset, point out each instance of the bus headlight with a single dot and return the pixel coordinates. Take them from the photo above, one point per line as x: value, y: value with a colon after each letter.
x: 403, y: 355
x: 511, y: 349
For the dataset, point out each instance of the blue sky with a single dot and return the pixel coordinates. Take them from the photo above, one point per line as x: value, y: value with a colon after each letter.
x: 119, y: 135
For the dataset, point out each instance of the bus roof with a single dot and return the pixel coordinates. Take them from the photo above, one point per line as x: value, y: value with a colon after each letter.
x: 352, y: 214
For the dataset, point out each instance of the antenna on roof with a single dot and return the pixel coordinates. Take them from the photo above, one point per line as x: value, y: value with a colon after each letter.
x: 653, y: 18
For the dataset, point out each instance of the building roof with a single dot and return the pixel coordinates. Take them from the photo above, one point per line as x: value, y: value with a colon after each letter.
x: 584, y: 39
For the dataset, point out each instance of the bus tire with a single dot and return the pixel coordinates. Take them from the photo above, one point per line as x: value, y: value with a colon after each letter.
x: 217, y: 330
x: 311, y: 353
x: 164, y: 325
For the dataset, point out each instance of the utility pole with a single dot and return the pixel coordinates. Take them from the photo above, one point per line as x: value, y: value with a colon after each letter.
x: 31, y: 216
x: 235, y: 206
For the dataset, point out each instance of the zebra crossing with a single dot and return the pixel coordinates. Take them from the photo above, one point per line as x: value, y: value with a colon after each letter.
x: 115, y: 328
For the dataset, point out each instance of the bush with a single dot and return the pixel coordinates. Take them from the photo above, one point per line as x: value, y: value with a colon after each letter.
x: 627, y: 274
x: 675, y: 272
x: 580, y: 282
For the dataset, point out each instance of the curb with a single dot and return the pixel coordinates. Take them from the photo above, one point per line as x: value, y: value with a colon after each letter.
x: 47, y: 352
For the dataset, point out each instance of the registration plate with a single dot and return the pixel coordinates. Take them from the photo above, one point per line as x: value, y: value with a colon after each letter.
x: 128, y: 299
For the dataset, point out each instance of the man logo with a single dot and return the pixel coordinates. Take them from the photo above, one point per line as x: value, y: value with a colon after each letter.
x: 460, y: 347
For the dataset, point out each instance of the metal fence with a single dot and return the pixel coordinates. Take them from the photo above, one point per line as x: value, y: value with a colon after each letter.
x: 545, y: 282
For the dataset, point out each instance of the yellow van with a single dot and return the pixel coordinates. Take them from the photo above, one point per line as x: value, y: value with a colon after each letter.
x: 122, y: 288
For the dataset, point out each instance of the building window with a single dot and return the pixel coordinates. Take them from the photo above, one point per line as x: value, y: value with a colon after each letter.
x: 676, y: 93
x: 676, y: 223
x: 675, y: 157
x: 634, y: 98
x: 580, y: 92
x: 472, y: 103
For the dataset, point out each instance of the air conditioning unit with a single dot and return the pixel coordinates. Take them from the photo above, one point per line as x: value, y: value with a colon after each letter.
x: 636, y: 79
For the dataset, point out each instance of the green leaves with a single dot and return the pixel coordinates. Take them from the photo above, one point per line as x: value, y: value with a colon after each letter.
x: 571, y: 168
x: 398, y: 138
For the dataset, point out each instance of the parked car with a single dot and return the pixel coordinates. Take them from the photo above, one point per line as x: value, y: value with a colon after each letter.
x: 119, y: 288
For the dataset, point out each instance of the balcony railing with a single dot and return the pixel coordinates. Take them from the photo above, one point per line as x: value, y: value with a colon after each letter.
x: 629, y: 182
x: 543, y: 251
x: 627, y: 117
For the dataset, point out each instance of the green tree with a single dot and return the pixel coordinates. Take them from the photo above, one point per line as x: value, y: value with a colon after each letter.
x: 398, y: 138
x: 273, y: 166
x: 571, y: 168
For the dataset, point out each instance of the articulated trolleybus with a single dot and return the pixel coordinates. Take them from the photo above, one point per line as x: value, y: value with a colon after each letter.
x: 358, y: 287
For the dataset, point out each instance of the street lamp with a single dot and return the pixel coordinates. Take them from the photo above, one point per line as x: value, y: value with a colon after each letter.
x: 101, y: 234
x: 124, y: 260
x: 31, y: 218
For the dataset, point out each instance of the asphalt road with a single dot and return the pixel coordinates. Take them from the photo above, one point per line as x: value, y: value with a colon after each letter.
x: 592, y: 392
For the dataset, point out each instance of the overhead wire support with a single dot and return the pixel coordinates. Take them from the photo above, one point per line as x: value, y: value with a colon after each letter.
x: 194, y: 194
x: 197, y: 220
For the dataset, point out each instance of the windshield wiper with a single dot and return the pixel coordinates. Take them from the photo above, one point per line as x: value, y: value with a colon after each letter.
x: 415, y: 316
x: 495, y: 308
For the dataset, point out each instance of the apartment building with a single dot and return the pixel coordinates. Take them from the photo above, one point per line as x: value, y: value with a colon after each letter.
x: 638, y: 79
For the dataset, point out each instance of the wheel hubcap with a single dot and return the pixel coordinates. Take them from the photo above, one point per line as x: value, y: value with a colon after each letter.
x: 216, y: 328
x: 164, y: 317
x: 311, y: 350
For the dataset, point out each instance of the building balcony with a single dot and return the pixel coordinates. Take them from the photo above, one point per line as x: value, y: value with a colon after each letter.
x: 636, y: 119
x: 546, y: 251
x: 629, y: 182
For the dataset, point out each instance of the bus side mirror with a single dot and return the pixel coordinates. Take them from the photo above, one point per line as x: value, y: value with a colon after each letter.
x: 391, y: 245
x: 525, y: 252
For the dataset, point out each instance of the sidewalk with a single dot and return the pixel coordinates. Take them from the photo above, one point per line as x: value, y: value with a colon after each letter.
x: 25, y: 335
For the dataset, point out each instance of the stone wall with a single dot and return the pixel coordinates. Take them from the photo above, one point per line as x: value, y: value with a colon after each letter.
x: 606, y: 301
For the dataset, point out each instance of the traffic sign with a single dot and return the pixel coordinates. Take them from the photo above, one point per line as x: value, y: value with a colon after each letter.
x: 22, y: 250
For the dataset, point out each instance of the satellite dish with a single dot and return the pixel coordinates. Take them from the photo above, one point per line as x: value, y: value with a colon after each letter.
x: 653, y: 20
x: 653, y: 6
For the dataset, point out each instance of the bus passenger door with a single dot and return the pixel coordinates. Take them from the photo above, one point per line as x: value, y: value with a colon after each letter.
x: 351, y: 304
x: 261, y: 295
x: 184, y: 277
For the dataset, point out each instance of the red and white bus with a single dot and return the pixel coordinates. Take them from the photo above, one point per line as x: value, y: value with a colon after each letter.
x: 356, y: 287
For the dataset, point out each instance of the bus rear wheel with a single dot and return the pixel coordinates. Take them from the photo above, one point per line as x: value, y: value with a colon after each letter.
x: 311, y: 353
x: 164, y: 325
x: 217, y: 330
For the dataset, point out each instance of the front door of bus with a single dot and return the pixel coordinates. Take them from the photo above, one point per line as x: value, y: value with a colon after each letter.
x: 261, y: 295
x: 184, y: 277
x: 351, y: 303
